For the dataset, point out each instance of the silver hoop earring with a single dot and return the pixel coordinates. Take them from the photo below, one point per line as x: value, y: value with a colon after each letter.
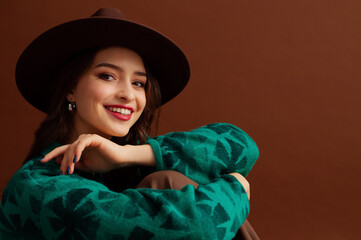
x: 71, y: 106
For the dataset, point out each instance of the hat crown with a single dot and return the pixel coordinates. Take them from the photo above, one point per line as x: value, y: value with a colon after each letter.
x: 108, y: 13
x: 38, y: 64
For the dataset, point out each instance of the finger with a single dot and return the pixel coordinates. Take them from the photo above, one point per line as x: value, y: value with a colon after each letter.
x: 59, y: 159
x: 54, y: 153
x: 73, y: 155
x: 74, y: 152
x: 64, y: 162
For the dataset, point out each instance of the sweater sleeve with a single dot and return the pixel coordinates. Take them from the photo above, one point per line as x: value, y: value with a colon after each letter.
x: 42, y: 204
x: 206, y: 152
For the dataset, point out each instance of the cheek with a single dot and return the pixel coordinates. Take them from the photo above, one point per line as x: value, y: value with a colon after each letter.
x: 94, y: 93
x: 142, y: 100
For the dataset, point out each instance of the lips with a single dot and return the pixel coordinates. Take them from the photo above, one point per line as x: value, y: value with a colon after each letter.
x: 121, y: 112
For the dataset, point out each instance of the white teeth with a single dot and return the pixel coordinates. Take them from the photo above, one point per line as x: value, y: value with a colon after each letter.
x: 120, y: 110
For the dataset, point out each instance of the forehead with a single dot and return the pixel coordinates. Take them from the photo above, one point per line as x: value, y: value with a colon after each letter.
x: 119, y: 56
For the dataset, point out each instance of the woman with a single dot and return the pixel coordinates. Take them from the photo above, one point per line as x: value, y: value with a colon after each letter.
x: 100, y: 80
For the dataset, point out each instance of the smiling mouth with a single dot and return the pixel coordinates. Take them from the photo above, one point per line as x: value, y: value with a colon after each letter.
x: 123, y: 111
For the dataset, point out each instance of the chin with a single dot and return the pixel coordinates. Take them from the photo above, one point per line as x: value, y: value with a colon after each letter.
x: 120, y: 134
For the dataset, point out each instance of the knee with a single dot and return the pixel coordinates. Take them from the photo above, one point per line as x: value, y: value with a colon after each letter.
x: 167, y: 179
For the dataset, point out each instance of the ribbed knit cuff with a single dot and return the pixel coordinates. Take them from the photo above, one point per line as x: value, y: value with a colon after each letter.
x: 157, y: 153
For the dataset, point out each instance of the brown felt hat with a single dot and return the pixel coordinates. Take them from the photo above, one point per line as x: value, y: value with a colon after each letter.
x: 106, y: 27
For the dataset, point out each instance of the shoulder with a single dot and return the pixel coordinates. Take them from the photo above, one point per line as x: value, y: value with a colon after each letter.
x: 213, y: 130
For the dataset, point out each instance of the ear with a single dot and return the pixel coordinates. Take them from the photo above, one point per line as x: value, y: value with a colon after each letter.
x: 70, y: 97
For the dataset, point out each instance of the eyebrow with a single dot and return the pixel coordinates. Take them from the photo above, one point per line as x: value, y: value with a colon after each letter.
x: 115, y: 67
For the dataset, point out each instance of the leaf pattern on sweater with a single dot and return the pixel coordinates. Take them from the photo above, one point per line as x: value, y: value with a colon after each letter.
x: 40, y: 204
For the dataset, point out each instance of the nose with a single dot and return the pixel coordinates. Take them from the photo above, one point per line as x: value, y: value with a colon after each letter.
x: 125, y: 91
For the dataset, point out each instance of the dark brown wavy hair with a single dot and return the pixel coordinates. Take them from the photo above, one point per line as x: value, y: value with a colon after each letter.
x: 59, y: 122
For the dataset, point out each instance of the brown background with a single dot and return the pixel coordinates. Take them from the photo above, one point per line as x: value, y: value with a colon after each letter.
x: 286, y: 71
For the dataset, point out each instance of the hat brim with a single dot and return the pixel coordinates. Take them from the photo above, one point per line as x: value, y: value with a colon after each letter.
x: 45, y: 54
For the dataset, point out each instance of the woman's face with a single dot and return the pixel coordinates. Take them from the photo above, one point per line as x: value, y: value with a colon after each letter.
x: 110, y: 95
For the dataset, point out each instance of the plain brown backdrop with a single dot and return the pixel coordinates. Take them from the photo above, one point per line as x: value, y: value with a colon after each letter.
x: 288, y: 72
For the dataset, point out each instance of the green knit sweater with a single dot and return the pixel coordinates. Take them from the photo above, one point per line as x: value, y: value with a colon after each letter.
x: 38, y: 203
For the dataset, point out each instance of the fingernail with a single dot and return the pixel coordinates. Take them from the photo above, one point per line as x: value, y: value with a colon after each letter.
x: 60, y: 173
x: 74, y: 159
x: 68, y: 171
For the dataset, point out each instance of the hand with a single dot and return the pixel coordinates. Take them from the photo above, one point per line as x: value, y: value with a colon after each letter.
x: 90, y: 152
x: 244, y: 183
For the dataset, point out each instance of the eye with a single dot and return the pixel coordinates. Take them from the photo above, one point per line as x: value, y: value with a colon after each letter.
x: 139, y: 84
x: 106, y: 76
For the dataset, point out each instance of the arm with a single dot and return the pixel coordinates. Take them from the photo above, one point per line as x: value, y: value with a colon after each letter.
x: 61, y: 206
x: 206, y: 152
x: 91, y: 152
x: 202, y: 154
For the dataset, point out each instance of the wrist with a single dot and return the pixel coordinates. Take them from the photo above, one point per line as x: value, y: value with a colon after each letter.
x: 139, y: 155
